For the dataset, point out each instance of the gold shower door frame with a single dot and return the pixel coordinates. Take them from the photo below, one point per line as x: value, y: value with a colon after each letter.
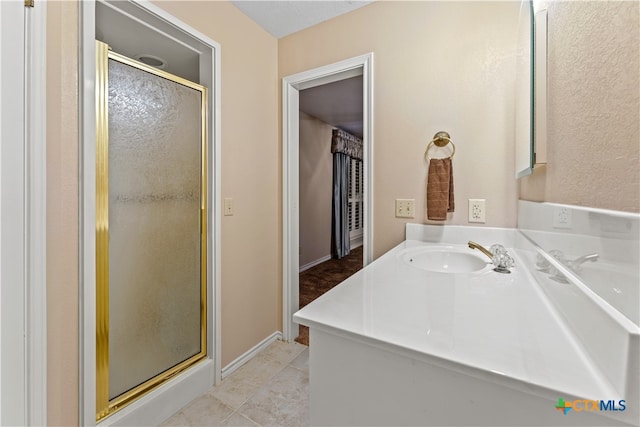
x: 105, y: 406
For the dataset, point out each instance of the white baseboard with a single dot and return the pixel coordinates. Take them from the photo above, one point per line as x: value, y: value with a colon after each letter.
x: 244, y: 358
x: 356, y: 242
x: 314, y: 263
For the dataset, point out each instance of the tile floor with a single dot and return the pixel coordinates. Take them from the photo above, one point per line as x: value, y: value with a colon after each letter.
x: 272, y: 389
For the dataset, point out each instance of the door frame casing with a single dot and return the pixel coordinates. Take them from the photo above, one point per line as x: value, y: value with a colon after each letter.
x: 23, y: 301
x: 291, y: 85
x: 166, y: 399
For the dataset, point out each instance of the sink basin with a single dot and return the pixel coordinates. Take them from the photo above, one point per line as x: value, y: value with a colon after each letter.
x: 444, y: 259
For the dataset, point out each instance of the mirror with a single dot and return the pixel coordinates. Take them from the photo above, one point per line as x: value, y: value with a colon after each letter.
x: 590, y: 184
x: 531, y: 89
x: 593, y: 105
x: 524, y: 92
x: 539, y: 144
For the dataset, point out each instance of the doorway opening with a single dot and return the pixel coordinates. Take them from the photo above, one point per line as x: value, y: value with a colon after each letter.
x: 331, y: 188
x: 345, y: 71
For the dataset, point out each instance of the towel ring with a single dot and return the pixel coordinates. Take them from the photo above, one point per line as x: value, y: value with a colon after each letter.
x: 440, y: 139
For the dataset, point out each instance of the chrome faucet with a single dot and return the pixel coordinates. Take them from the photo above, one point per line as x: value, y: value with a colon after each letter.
x: 498, y: 256
x: 576, y: 263
x: 547, y: 267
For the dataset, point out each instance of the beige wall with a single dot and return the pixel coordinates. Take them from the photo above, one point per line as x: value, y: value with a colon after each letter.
x: 593, y: 107
x: 62, y: 213
x: 438, y: 66
x: 316, y: 178
x: 251, y: 260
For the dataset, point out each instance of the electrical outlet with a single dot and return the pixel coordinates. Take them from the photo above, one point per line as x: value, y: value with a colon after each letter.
x: 405, y: 208
x: 561, y: 217
x: 228, y: 206
x: 477, y: 210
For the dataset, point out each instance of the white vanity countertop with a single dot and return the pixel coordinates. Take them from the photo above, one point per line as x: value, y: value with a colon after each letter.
x: 496, y: 325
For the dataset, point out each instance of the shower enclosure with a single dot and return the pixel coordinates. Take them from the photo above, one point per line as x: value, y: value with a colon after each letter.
x: 151, y: 216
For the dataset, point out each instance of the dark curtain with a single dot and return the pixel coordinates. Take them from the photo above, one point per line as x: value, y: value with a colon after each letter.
x: 340, y: 241
x: 344, y: 147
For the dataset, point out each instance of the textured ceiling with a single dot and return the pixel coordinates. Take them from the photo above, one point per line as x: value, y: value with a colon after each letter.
x: 338, y: 104
x: 282, y: 17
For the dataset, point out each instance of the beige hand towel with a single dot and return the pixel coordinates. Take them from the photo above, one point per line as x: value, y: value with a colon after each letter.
x: 440, y: 189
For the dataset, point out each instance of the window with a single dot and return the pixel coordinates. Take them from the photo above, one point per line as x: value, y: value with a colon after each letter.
x: 355, y: 203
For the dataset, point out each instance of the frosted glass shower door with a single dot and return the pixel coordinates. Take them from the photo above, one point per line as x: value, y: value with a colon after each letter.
x: 151, y: 239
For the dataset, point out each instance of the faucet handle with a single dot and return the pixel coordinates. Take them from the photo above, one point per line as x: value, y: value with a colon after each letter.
x: 501, y: 259
x: 497, y: 249
x: 544, y: 265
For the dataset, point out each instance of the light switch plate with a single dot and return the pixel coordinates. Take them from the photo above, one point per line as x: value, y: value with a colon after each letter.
x: 405, y: 208
x: 228, y: 206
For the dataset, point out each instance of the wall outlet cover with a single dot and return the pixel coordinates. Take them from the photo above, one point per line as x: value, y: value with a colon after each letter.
x: 477, y: 208
x: 561, y: 217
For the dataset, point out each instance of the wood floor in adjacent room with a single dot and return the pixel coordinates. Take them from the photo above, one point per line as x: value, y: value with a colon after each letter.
x: 321, y: 278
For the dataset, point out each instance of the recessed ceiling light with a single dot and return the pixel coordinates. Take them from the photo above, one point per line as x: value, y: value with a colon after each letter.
x: 152, y: 60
